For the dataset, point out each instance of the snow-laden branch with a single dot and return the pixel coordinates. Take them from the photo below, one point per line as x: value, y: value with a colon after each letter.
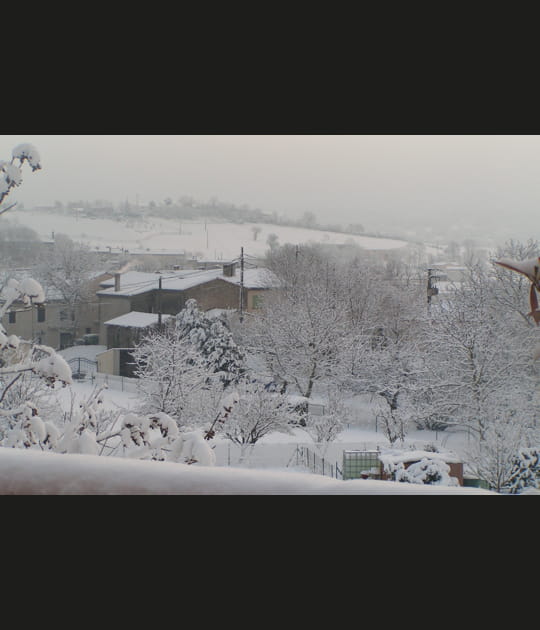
x: 11, y: 173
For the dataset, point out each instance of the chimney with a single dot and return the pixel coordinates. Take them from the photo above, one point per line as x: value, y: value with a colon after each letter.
x: 117, y: 282
x: 229, y: 269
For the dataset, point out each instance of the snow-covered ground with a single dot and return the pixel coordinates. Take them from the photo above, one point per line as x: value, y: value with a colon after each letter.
x: 36, y: 472
x: 206, y: 239
x: 271, y: 468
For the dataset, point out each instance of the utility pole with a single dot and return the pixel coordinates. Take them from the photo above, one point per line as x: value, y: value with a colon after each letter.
x: 159, y: 302
x: 241, y: 284
x: 431, y: 289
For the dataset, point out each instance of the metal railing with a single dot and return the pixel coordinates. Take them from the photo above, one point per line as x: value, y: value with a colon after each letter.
x: 316, y: 464
x: 121, y: 383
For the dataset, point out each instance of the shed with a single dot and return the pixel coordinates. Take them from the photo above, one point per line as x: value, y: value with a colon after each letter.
x: 377, y: 464
x: 127, y: 330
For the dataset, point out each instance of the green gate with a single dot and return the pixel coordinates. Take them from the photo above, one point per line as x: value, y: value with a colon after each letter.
x: 362, y: 465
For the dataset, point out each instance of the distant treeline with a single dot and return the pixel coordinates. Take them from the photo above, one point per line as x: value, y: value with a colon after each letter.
x: 188, y: 209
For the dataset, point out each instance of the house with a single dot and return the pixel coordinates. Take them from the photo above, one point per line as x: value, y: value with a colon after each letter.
x: 256, y: 283
x: 127, y: 330
x: 167, y: 292
x: 53, y: 322
x: 123, y: 333
x: 131, y: 303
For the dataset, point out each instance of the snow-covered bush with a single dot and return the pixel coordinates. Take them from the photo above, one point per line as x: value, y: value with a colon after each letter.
x: 86, y: 427
x: 424, y: 467
x: 191, y: 447
x: 526, y: 470
x: 427, y: 471
x: 157, y: 437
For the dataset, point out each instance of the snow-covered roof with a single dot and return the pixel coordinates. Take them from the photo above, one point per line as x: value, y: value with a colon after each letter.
x: 83, y: 352
x: 136, y: 319
x: 258, y: 278
x: 193, y: 278
x: 129, y: 278
x: 172, y: 281
x: 394, y: 456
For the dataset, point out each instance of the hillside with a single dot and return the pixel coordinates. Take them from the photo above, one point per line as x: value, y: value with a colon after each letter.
x: 205, y: 239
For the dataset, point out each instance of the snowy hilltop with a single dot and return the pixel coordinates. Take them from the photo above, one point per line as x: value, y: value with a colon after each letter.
x: 205, y: 238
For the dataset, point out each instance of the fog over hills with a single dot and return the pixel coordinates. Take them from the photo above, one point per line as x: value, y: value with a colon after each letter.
x: 202, y: 238
x: 422, y: 187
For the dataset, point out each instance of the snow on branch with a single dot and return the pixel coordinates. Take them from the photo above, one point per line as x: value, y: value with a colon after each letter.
x: 11, y: 173
x: 41, y: 360
x: 530, y: 268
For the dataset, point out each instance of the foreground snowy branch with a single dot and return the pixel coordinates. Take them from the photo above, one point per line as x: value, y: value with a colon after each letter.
x: 22, y: 425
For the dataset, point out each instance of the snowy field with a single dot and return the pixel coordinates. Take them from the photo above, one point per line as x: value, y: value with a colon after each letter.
x: 271, y: 468
x: 204, y: 239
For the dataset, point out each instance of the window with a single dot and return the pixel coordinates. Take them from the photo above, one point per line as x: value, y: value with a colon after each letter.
x: 257, y: 301
x: 66, y: 340
x: 41, y: 314
x: 12, y: 317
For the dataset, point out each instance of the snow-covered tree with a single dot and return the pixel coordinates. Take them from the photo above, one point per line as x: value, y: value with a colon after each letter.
x: 324, y: 428
x: 257, y: 413
x: 493, y: 458
x: 171, y: 373
x: 389, y: 360
x: 213, y: 341
x: 302, y: 327
x: 186, y: 368
x: 525, y: 470
x: 478, y: 360
x: 67, y: 268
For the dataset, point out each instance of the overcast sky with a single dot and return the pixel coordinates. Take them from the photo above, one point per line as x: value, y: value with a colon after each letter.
x: 376, y: 180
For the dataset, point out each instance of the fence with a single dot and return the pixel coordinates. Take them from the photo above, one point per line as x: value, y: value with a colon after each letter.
x: 83, y: 369
x: 122, y: 383
x: 316, y: 464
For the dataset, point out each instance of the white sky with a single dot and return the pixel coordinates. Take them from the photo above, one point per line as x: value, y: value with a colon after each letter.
x: 377, y: 180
